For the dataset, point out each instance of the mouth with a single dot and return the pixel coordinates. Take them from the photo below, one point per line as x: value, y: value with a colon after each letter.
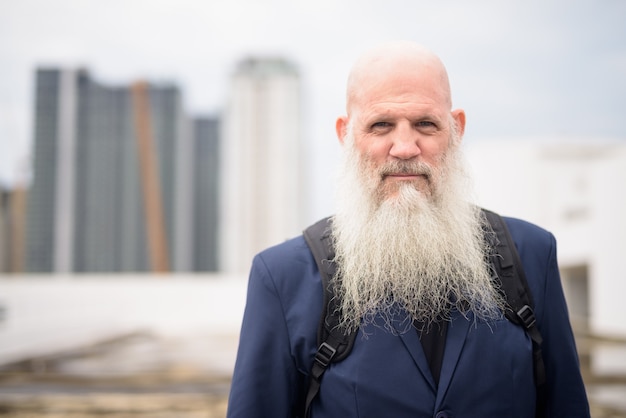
x: 394, y: 175
x: 405, y: 177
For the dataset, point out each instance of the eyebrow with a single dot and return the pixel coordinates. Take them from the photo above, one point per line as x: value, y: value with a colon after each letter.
x: 386, y: 117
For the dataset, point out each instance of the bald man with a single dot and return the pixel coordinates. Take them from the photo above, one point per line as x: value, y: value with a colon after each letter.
x: 411, y: 277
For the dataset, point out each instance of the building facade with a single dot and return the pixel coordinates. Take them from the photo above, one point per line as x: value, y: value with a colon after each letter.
x: 110, y: 172
x: 12, y: 221
x: 261, y: 161
x: 206, y: 175
x: 5, y: 236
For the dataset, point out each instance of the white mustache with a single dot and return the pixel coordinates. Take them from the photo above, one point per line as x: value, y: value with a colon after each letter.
x: 417, y: 168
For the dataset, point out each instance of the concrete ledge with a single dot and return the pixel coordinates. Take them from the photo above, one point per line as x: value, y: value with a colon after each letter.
x: 52, y: 313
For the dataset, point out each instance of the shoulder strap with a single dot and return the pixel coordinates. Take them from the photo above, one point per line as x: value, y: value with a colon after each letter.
x: 510, y: 273
x: 333, y: 344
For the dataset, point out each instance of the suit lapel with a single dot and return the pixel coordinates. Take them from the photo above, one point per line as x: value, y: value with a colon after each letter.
x: 457, y: 334
x: 413, y: 344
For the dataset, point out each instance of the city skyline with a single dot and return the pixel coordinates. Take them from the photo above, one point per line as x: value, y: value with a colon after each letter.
x: 124, y: 180
x: 519, y: 68
x: 114, y: 186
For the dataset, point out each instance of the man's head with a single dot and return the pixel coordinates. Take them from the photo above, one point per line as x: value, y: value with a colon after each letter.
x: 406, y: 235
x: 399, y: 110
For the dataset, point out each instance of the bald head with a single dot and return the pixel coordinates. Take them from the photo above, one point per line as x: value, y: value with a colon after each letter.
x: 398, y: 64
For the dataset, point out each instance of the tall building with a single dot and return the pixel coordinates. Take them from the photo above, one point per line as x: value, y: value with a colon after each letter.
x: 4, y: 230
x: 48, y: 238
x: 110, y: 163
x: 206, y: 175
x: 12, y: 206
x: 261, y: 164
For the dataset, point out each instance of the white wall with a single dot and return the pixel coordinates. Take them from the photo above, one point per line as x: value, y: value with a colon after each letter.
x: 45, y: 314
x: 575, y: 189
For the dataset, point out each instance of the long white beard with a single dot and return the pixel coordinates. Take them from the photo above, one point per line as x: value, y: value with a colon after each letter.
x: 406, y: 250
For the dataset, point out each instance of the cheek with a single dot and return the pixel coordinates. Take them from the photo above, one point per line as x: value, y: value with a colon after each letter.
x: 375, y: 152
x: 434, y: 152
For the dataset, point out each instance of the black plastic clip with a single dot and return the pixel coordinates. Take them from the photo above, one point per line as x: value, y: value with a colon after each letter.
x: 527, y: 316
x: 325, y: 354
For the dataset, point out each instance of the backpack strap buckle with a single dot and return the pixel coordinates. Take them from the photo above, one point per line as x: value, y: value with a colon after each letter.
x: 527, y: 316
x: 325, y: 354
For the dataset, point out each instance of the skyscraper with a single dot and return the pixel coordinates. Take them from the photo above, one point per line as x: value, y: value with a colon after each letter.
x: 5, y: 236
x: 206, y: 175
x: 12, y: 202
x: 49, y: 240
x: 261, y: 165
x: 110, y: 164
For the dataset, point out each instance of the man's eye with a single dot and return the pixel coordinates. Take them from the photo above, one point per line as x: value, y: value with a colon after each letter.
x: 427, y: 127
x: 381, y: 125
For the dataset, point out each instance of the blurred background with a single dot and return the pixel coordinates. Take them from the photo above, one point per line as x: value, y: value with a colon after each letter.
x: 148, y: 149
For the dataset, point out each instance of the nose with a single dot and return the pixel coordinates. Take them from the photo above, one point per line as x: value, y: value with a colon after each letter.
x: 404, y: 144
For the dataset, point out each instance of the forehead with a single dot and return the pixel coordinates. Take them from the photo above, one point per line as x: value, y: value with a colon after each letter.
x: 401, y: 93
x: 398, y: 78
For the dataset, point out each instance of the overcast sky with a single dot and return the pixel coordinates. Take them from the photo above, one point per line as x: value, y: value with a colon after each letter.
x: 518, y: 68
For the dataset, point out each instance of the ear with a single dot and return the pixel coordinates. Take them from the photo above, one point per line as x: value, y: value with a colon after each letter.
x: 459, y: 117
x: 341, y: 126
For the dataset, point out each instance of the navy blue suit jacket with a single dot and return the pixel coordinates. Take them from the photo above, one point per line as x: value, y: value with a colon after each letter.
x: 487, y: 369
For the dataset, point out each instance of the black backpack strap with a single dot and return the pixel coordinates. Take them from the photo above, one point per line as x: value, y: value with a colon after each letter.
x: 333, y: 344
x: 514, y: 286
